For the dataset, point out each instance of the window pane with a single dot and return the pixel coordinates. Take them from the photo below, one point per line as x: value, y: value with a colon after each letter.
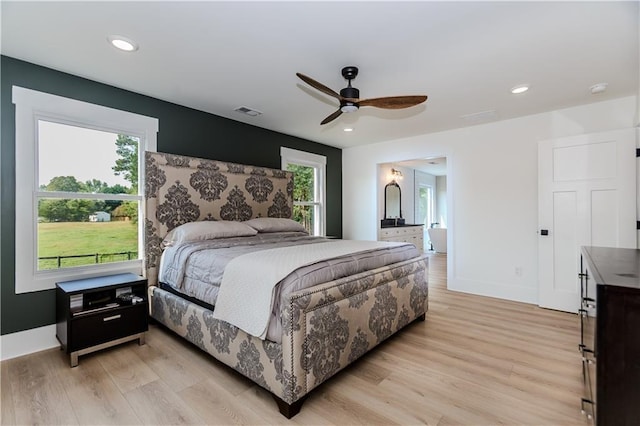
x: 306, y: 216
x: 77, y: 159
x: 303, y: 182
x: 75, y: 232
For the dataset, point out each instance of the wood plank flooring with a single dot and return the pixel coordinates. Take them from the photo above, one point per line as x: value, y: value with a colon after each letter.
x: 474, y: 361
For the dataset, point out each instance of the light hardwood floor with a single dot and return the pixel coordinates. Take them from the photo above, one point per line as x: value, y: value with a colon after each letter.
x: 474, y: 361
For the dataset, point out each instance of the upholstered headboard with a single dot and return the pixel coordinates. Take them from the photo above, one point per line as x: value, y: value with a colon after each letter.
x: 180, y: 189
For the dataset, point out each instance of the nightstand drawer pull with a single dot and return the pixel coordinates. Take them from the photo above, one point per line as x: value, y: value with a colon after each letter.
x: 113, y: 317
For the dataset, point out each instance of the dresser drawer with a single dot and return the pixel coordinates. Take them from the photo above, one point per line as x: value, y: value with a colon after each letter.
x: 405, y: 234
x: 96, y: 328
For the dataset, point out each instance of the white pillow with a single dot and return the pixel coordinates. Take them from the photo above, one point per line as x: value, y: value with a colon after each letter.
x: 207, y: 230
x: 275, y: 224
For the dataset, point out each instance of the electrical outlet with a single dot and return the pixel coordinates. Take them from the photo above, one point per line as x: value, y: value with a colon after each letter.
x: 518, y: 271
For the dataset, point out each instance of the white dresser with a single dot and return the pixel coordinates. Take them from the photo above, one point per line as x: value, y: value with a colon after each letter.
x: 404, y: 234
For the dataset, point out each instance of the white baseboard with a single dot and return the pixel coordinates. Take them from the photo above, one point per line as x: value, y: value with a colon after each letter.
x: 508, y: 292
x: 26, y: 342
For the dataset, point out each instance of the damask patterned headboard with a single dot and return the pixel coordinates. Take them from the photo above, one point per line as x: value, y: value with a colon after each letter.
x: 180, y: 189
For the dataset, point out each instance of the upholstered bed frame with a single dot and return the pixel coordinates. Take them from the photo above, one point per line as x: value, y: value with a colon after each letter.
x: 325, y: 327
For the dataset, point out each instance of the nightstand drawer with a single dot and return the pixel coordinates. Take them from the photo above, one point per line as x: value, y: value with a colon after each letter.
x: 96, y: 328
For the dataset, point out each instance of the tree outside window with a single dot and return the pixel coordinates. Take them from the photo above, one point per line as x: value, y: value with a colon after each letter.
x: 303, y: 195
x: 308, y: 188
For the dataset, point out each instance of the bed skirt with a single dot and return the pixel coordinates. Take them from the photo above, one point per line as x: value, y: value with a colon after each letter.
x: 325, y: 328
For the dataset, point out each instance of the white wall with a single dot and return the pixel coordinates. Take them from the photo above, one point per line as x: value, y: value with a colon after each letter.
x: 637, y: 119
x: 491, y: 195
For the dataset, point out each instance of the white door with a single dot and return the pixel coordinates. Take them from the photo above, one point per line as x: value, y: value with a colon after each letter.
x: 586, y: 197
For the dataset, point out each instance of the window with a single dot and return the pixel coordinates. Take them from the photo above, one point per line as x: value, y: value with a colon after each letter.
x: 425, y: 205
x: 78, y: 189
x: 308, y: 188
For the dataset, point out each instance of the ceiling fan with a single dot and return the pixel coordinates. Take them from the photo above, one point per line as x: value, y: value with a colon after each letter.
x: 349, y: 97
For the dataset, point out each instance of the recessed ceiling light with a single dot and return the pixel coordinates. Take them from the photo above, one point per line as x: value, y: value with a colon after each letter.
x: 519, y: 89
x: 348, y: 129
x: 123, y: 43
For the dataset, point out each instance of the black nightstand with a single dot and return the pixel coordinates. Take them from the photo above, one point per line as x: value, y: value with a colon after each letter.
x: 96, y: 313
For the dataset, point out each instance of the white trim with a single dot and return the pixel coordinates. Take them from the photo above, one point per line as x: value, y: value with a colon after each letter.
x: 302, y: 157
x: 319, y: 163
x: 26, y: 342
x: 31, y: 106
x: 518, y: 293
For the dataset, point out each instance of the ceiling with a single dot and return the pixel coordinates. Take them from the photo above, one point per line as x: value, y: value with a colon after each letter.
x: 217, y: 56
x: 434, y: 166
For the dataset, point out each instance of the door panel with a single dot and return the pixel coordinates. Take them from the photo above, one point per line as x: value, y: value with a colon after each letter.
x: 586, y: 196
x: 584, y: 162
x: 604, y: 218
x: 564, y: 239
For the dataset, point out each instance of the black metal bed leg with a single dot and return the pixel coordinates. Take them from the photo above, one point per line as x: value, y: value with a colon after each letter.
x: 289, y: 410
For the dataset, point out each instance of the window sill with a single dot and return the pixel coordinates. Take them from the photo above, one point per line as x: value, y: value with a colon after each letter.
x: 46, y: 280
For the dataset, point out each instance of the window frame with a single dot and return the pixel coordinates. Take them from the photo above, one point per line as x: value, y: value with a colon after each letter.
x: 319, y: 164
x: 31, y: 106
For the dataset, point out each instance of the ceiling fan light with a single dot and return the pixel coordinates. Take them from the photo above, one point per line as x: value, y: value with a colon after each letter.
x: 348, y: 108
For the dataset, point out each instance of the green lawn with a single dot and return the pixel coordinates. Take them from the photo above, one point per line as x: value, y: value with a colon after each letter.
x: 86, y: 238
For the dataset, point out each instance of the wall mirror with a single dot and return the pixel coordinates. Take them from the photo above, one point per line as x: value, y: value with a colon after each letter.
x: 392, y: 199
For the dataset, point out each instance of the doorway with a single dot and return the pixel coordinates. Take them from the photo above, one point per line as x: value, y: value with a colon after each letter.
x: 424, y: 188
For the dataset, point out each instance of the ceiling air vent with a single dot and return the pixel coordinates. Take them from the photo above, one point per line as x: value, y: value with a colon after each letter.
x: 479, y: 117
x: 248, y: 111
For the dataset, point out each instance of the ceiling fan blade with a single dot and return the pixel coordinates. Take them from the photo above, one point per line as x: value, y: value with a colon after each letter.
x: 393, y: 102
x: 332, y: 117
x: 321, y: 87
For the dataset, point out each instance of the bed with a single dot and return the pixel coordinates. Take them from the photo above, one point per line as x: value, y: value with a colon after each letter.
x: 315, y: 324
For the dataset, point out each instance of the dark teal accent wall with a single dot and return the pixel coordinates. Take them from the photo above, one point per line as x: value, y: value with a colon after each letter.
x: 182, y: 131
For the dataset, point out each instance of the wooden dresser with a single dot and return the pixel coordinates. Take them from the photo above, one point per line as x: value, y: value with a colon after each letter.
x: 610, y: 335
x: 403, y: 234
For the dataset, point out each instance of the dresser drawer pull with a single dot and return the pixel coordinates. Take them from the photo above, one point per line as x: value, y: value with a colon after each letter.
x: 584, y: 402
x: 113, y: 317
x: 586, y: 351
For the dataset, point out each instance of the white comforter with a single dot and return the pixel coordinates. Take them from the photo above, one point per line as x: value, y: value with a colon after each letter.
x: 249, y: 280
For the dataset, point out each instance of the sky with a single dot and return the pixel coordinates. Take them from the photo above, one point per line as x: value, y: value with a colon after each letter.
x: 83, y: 153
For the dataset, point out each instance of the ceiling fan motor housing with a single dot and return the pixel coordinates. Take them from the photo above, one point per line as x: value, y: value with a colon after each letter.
x: 349, y: 73
x: 349, y: 92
